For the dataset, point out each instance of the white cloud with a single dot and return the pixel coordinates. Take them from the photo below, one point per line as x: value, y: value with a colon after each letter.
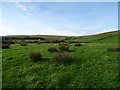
x: 23, y: 7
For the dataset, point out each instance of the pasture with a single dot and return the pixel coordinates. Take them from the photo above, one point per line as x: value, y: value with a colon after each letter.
x: 92, y: 66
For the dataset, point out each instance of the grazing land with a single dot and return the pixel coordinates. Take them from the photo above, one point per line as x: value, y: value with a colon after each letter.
x: 94, y: 64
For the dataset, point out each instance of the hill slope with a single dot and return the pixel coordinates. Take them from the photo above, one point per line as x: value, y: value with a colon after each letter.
x: 98, y: 37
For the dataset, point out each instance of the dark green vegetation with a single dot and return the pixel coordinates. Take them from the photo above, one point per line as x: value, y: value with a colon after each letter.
x: 91, y: 65
x: 62, y: 58
x: 63, y: 47
x: 52, y: 49
x: 5, y: 46
x: 35, y: 55
x: 117, y: 49
x: 78, y: 44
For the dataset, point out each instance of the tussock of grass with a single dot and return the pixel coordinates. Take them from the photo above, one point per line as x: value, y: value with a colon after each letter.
x: 63, y: 47
x: 78, y: 44
x: 35, y: 55
x: 62, y: 58
x: 117, y: 49
x: 52, y: 50
x: 5, y: 46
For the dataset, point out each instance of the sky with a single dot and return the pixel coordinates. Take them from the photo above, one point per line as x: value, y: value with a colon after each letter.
x: 58, y: 18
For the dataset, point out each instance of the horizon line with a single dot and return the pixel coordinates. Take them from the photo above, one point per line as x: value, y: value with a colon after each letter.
x: 56, y: 35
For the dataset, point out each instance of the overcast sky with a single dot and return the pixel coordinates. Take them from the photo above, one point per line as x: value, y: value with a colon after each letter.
x: 58, y: 18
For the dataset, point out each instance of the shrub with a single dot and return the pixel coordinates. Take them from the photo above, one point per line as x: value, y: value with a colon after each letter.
x: 52, y: 50
x: 78, y: 44
x: 73, y: 41
x: 63, y: 47
x: 63, y: 44
x: 113, y: 49
x: 23, y: 44
x: 38, y: 42
x: 55, y: 41
x: 62, y: 58
x: 8, y: 42
x: 118, y: 49
x: 110, y: 49
x: 5, y: 46
x: 35, y: 56
x: 35, y: 41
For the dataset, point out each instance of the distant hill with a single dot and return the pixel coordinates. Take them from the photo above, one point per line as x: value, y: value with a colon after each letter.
x: 102, y: 37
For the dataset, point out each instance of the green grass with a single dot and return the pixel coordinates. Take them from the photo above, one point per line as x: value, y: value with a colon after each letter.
x: 90, y: 38
x: 109, y: 40
x: 47, y: 37
x: 93, y: 67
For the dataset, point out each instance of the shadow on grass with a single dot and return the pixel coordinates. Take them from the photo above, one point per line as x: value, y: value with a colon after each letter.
x: 61, y: 51
x: 45, y: 59
x: 42, y: 60
x: 71, y: 50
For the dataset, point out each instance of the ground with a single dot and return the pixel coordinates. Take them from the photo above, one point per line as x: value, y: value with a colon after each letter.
x: 93, y: 66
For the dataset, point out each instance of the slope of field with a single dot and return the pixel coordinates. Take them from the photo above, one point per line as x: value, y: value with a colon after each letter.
x: 113, y: 39
x: 93, y: 66
x: 92, y: 38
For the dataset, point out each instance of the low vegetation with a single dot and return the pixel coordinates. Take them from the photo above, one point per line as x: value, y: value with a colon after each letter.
x: 92, y: 65
x: 23, y: 44
x: 78, y: 44
x: 63, y: 47
x: 35, y: 55
x: 62, y: 58
x: 52, y: 50
x: 5, y: 46
x: 117, y: 49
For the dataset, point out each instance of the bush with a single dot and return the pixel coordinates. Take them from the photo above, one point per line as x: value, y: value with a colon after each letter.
x: 35, y: 41
x: 63, y: 44
x: 23, y: 44
x: 62, y: 58
x: 38, y: 42
x: 55, y: 41
x: 52, y: 50
x: 35, y: 56
x: 5, y: 46
x: 78, y: 44
x: 8, y: 42
x: 63, y: 47
x: 113, y: 49
x: 73, y: 41
x: 118, y: 49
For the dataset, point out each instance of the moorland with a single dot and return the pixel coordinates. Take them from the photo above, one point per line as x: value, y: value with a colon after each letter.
x: 46, y: 61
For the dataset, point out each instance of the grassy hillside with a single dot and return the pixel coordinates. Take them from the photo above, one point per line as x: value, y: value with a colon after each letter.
x: 93, y: 65
x: 92, y: 38
x: 47, y: 37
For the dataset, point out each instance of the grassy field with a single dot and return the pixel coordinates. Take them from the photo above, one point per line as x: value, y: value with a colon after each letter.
x: 96, y: 37
x: 93, y: 66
